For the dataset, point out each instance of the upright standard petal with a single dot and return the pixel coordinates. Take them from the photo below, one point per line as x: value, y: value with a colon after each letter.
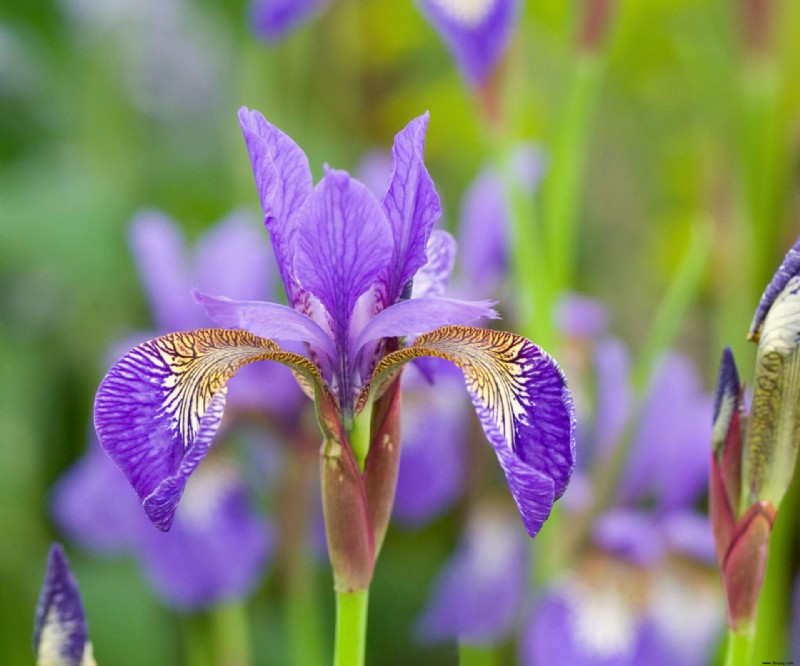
x: 343, y: 242
x: 60, y: 637
x: 283, y: 179
x: 522, y: 401
x: 160, y: 253
x: 412, y: 206
x: 476, y: 32
x: 433, y: 277
x: 158, y: 408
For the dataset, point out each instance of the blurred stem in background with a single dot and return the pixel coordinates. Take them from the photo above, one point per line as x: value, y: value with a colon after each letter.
x: 230, y: 631
x: 764, y: 129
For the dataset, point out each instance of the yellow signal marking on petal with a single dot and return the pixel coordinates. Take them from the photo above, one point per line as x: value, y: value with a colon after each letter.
x: 200, y: 363
x: 493, y: 363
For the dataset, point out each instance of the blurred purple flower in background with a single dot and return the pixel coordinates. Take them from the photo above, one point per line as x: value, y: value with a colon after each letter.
x: 484, y: 231
x: 644, y: 593
x: 434, y: 455
x: 477, y: 32
x: 181, y: 69
x: 477, y: 597
x: 60, y: 636
x: 220, y: 545
x: 274, y: 19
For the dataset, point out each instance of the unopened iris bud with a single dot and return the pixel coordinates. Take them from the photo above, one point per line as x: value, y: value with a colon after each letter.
x: 772, y: 434
x: 60, y: 637
x: 753, y: 458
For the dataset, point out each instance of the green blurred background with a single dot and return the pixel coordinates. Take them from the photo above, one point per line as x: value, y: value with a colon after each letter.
x: 104, y: 111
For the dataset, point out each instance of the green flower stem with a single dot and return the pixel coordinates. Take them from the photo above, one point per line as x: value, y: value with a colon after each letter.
x: 739, y: 648
x: 360, y: 435
x: 666, y: 322
x: 302, y: 616
x: 351, y: 628
x: 196, y: 643
x: 680, y: 293
x: 230, y: 631
x: 303, y: 623
x: 473, y: 655
x: 562, y: 186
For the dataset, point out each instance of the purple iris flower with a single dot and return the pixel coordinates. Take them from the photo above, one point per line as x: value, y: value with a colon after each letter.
x: 476, y: 31
x: 656, y: 608
x: 274, y: 19
x: 349, y: 264
x: 60, y: 635
x: 477, y: 597
x: 643, y: 593
x: 219, y: 546
x: 484, y: 232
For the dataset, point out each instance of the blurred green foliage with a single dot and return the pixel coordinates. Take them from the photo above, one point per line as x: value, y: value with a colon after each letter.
x: 688, y: 126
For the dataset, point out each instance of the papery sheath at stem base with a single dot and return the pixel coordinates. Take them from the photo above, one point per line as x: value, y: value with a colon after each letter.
x: 745, y: 564
x: 383, y: 461
x: 351, y: 544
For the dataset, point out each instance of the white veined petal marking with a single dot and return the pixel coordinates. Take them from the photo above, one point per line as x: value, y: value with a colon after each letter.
x: 191, y: 368
x: 498, y: 369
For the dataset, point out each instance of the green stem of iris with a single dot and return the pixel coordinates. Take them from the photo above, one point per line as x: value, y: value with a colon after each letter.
x: 351, y: 628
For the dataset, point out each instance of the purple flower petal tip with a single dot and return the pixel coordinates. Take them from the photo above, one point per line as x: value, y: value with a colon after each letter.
x: 728, y: 384
x: 479, y: 592
x: 580, y: 317
x: 411, y: 205
x: 60, y: 635
x: 477, y: 33
x: 274, y: 19
x: 788, y: 269
x: 631, y: 534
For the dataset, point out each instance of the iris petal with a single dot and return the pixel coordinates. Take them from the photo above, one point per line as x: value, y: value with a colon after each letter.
x: 522, y: 402
x: 433, y: 277
x: 477, y: 33
x: 266, y: 320
x: 343, y: 242
x: 411, y: 205
x: 419, y: 315
x: 283, y: 179
x: 158, y: 408
x: 60, y: 635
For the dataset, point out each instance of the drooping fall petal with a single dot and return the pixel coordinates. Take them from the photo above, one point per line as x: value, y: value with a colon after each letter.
x: 522, y: 402
x: 158, y: 408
